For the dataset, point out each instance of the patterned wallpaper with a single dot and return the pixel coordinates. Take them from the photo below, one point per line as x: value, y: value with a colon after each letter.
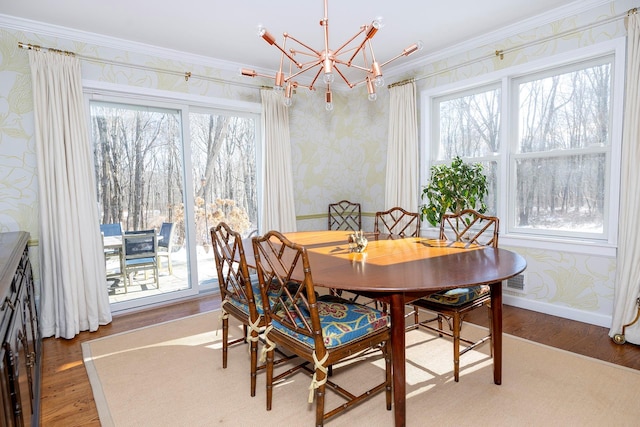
x: 338, y: 155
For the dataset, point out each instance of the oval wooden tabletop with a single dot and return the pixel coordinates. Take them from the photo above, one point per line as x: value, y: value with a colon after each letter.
x: 409, y: 265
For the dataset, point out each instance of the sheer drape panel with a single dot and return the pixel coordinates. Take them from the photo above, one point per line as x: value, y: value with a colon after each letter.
x: 278, y: 209
x: 74, y: 295
x: 627, y: 285
x: 402, y: 152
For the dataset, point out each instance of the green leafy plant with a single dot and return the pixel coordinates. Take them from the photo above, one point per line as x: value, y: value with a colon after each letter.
x: 453, y: 188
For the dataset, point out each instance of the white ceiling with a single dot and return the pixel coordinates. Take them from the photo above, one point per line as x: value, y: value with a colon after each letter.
x: 226, y: 30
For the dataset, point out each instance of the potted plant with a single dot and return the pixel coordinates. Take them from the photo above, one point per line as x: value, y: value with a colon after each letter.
x: 453, y: 188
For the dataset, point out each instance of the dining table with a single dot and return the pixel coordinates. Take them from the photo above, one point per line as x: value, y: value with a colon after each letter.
x: 396, y: 271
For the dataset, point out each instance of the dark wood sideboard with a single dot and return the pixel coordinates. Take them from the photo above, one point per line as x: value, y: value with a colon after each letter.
x: 21, y: 351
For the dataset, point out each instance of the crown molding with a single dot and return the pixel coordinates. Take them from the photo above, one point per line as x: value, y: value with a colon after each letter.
x: 55, y: 31
x: 499, y: 35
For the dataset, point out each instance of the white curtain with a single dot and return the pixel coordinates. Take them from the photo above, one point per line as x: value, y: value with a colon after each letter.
x: 278, y: 209
x: 74, y: 295
x: 627, y: 285
x: 402, y: 153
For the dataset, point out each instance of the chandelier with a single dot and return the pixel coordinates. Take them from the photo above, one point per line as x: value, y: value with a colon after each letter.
x: 355, y: 54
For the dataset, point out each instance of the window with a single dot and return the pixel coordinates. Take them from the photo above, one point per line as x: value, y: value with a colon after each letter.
x: 153, y: 167
x: 551, y: 160
x: 469, y: 127
x: 562, y: 154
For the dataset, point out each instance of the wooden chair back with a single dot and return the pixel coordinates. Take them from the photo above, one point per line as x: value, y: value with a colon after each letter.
x: 231, y: 264
x: 398, y: 221
x: 345, y: 215
x: 292, y: 303
x: 470, y: 228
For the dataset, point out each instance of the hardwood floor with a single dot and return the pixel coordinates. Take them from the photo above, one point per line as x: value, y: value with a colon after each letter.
x: 67, y: 398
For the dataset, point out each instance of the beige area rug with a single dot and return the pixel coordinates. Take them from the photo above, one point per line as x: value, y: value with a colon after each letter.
x: 171, y: 375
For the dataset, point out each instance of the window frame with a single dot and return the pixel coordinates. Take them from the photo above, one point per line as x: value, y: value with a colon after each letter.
x: 510, y: 235
x: 183, y: 104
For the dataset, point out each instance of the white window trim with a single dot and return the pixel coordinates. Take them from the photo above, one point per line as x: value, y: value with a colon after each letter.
x: 606, y: 247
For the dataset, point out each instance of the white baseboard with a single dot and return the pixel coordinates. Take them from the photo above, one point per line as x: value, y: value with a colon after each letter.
x: 556, y: 310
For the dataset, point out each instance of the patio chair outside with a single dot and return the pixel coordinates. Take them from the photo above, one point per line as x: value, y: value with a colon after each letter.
x: 110, y: 230
x: 165, y: 245
x: 140, y: 252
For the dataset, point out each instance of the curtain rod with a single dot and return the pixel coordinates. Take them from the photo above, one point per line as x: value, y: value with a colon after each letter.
x: 401, y: 83
x: 502, y: 52
x: 186, y: 74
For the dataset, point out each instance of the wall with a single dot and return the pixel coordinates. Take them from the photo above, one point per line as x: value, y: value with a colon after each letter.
x: 338, y: 155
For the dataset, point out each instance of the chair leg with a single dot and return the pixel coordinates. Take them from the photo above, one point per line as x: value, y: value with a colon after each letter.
x: 456, y: 346
x: 225, y: 341
x: 319, y: 394
x: 440, y: 324
x: 416, y: 316
x: 254, y: 362
x: 269, y: 368
x: 156, y: 276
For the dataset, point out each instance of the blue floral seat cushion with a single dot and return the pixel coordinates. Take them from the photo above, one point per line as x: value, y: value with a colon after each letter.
x: 257, y: 296
x: 342, y: 322
x: 459, y: 296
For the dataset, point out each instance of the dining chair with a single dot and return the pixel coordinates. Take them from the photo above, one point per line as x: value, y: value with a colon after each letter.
x: 240, y: 295
x: 471, y: 230
x: 397, y: 221
x: 140, y: 253
x: 345, y: 215
x: 321, y: 332
x: 165, y: 245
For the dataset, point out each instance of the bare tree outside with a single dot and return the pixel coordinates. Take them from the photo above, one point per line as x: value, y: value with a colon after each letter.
x: 563, y: 145
x: 138, y: 156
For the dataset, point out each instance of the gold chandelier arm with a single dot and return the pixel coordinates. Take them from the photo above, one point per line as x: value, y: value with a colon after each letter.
x: 253, y: 73
x: 303, y: 70
x: 266, y: 36
x: 406, y: 52
x: 368, y: 70
x: 361, y: 46
x: 313, y: 82
x: 343, y: 77
x: 315, y: 52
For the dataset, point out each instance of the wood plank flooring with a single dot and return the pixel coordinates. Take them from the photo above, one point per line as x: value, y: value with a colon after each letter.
x: 67, y: 398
